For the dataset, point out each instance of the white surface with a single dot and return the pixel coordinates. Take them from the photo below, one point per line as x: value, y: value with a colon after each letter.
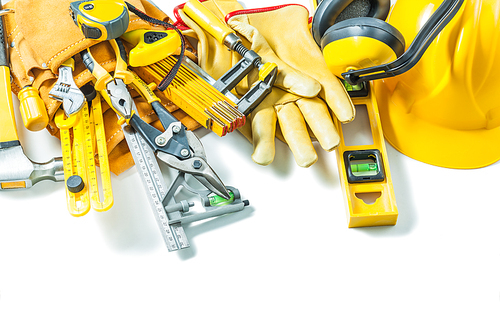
x: 286, y: 264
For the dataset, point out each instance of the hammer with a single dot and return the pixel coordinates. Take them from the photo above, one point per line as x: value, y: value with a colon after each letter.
x: 17, y: 170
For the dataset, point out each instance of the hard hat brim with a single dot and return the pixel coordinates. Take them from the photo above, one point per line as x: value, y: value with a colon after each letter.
x: 434, y: 144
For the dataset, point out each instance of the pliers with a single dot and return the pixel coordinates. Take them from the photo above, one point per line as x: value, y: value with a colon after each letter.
x: 176, y: 146
x: 112, y: 88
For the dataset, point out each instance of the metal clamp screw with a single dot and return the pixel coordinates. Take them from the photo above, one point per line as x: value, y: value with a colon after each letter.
x: 185, y: 152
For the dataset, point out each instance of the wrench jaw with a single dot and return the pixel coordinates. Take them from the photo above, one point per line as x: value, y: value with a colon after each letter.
x: 66, y: 91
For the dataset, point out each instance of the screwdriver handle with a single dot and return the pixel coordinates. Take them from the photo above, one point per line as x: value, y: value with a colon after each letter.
x: 32, y: 108
x: 207, y: 20
x: 8, y: 130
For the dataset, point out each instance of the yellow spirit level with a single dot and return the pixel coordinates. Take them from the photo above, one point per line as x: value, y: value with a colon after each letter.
x: 364, y: 168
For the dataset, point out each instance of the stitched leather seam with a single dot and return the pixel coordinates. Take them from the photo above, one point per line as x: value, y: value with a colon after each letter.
x: 112, y: 136
x: 12, y: 32
x: 70, y: 46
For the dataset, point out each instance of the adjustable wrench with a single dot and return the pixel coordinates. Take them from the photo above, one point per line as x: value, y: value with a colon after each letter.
x: 17, y: 170
x: 66, y: 91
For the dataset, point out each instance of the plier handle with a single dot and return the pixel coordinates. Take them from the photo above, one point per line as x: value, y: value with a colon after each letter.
x: 112, y: 88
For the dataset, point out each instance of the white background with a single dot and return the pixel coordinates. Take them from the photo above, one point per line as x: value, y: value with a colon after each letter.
x: 286, y: 264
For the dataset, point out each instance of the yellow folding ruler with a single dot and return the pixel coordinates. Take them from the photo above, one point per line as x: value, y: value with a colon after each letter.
x: 363, y: 164
x: 82, y: 137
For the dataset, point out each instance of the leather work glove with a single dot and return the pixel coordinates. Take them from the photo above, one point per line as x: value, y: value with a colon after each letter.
x: 304, y: 90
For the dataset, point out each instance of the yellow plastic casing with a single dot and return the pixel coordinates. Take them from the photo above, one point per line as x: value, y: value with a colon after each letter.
x: 356, y: 53
x: 266, y: 69
x: 361, y: 210
x: 8, y: 130
x: 32, y: 108
x: 143, y: 53
x: 445, y: 111
x: 109, y: 16
x: 74, y: 159
x: 207, y: 20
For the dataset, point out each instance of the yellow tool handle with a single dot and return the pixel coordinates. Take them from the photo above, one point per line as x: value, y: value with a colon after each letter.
x: 207, y: 20
x: 102, y: 76
x: 121, y: 71
x: 150, y: 46
x: 8, y: 130
x: 32, y: 108
x: 142, y: 88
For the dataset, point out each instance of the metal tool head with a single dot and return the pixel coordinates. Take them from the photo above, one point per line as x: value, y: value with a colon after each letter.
x: 7, y: 11
x: 66, y: 91
x: 17, y: 171
x: 121, y: 101
x: 197, y: 166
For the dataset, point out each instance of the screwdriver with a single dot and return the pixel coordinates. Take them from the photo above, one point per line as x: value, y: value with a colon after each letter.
x: 32, y: 108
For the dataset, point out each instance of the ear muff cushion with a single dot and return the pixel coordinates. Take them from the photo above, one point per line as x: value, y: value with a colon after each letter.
x: 328, y: 12
x: 366, y: 27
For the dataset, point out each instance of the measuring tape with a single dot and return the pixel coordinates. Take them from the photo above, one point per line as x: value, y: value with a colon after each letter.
x: 152, y: 179
x: 82, y: 189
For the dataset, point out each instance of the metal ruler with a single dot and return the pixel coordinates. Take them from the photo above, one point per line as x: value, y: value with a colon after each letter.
x: 152, y: 179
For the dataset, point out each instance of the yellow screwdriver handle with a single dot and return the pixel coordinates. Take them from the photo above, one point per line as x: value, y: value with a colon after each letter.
x: 207, y: 20
x: 33, y: 111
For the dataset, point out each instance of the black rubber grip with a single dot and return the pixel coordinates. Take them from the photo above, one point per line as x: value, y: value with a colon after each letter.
x: 4, y: 59
x: 9, y: 144
x: 87, y: 60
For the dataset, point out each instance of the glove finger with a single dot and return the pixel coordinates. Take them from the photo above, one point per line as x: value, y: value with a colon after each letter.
x: 263, y: 132
x: 296, y: 135
x: 318, y: 118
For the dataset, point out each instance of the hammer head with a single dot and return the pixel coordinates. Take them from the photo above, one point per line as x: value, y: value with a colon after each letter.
x: 17, y: 171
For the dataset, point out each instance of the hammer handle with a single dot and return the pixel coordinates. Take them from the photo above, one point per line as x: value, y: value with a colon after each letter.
x: 8, y: 130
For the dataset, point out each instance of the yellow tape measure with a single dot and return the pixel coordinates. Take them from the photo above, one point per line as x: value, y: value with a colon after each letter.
x: 81, y: 179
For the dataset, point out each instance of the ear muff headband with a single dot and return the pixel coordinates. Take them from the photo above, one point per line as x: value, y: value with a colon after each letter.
x: 328, y: 11
x: 366, y: 27
x: 441, y: 17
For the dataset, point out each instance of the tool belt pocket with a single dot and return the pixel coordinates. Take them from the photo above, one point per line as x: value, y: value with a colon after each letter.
x: 42, y: 35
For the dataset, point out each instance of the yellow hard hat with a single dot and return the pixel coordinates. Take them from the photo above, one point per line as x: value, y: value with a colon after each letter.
x: 445, y: 111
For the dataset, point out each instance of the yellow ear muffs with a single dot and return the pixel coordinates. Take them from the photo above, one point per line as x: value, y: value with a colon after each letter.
x: 330, y: 12
x: 360, y: 43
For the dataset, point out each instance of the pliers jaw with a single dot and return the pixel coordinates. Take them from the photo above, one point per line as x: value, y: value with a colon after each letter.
x: 120, y: 98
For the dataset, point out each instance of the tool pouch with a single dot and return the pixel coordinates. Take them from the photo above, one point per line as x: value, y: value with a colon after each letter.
x: 42, y: 35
